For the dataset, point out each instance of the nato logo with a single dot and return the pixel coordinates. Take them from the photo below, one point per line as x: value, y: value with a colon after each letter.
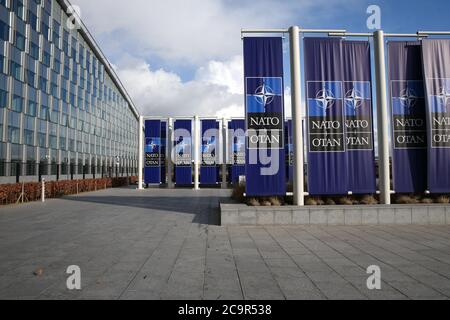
x: 209, y: 145
x: 357, y: 94
x: 323, y: 97
x: 407, y: 97
x: 183, y: 146
x: 262, y: 93
x: 440, y: 101
x: 152, y: 145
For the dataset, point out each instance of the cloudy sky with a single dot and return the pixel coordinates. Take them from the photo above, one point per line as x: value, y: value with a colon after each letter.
x: 184, y: 57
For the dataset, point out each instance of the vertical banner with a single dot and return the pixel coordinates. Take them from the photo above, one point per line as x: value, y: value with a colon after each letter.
x: 327, y: 167
x: 209, y: 170
x: 264, y: 103
x: 436, y: 64
x: 409, y: 129
x: 183, y: 152
x: 358, y: 113
x: 288, y: 134
x: 163, y: 150
x: 236, y: 136
x: 152, y: 167
x: 341, y: 155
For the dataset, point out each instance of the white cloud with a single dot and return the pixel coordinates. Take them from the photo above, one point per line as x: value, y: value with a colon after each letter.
x: 217, y: 89
x: 195, y: 31
x: 199, y: 35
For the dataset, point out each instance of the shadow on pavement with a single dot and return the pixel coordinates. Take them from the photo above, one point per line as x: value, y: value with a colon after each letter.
x: 204, y: 207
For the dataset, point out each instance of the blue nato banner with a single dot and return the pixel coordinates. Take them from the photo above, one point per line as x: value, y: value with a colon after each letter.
x: 152, y: 165
x: 409, y: 128
x: 163, y: 150
x: 436, y: 65
x: 289, y: 143
x: 341, y: 157
x: 236, y: 135
x: 183, y: 152
x: 264, y: 101
x: 209, y: 170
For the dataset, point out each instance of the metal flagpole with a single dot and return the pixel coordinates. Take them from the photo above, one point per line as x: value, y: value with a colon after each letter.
x: 299, y: 185
x: 224, y: 152
x: 141, y: 153
x: 196, y: 152
x: 169, y: 153
x: 382, y: 116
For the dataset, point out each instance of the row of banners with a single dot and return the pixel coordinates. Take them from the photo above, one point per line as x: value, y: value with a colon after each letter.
x: 155, y: 151
x: 340, y: 127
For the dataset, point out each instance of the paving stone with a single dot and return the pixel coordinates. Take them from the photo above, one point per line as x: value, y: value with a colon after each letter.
x: 370, y: 217
x: 437, y: 216
x: 166, y: 244
x: 247, y: 217
x: 420, y: 216
x: 265, y: 217
x: 336, y: 217
x: 353, y: 217
x: 318, y: 217
x: 230, y: 218
x: 300, y: 217
x: 386, y: 216
x: 403, y: 216
x: 283, y: 218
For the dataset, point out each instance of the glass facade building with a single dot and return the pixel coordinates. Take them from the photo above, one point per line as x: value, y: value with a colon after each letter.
x: 63, y: 112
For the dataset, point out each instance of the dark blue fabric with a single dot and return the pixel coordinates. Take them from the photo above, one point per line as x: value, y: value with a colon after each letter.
x: 237, y: 150
x: 409, y: 129
x: 152, y: 152
x: 183, y: 147
x: 436, y: 63
x: 209, y: 170
x: 341, y: 155
x: 358, y: 109
x: 263, y: 65
x: 163, y: 150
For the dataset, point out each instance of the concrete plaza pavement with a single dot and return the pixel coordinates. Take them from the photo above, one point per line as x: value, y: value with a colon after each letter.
x: 166, y: 244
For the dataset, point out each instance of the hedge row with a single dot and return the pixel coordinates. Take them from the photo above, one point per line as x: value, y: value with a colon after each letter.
x: 11, y: 193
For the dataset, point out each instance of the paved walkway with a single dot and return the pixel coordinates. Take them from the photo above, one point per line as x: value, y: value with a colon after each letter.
x: 165, y: 244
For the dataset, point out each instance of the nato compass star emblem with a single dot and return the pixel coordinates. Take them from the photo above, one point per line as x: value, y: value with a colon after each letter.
x: 153, y: 146
x: 354, y: 99
x: 325, y: 98
x: 264, y: 95
x: 444, y: 96
x: 408, y: 98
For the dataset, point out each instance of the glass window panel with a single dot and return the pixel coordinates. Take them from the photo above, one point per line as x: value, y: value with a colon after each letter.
x: 4, y: 31
x: 15, y: 70
x: 14, y: 127
x: 3, y: 99
x: 28, y: 137
x: 20, y: 41
x: 17, y: 103
x: 17, y: 6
